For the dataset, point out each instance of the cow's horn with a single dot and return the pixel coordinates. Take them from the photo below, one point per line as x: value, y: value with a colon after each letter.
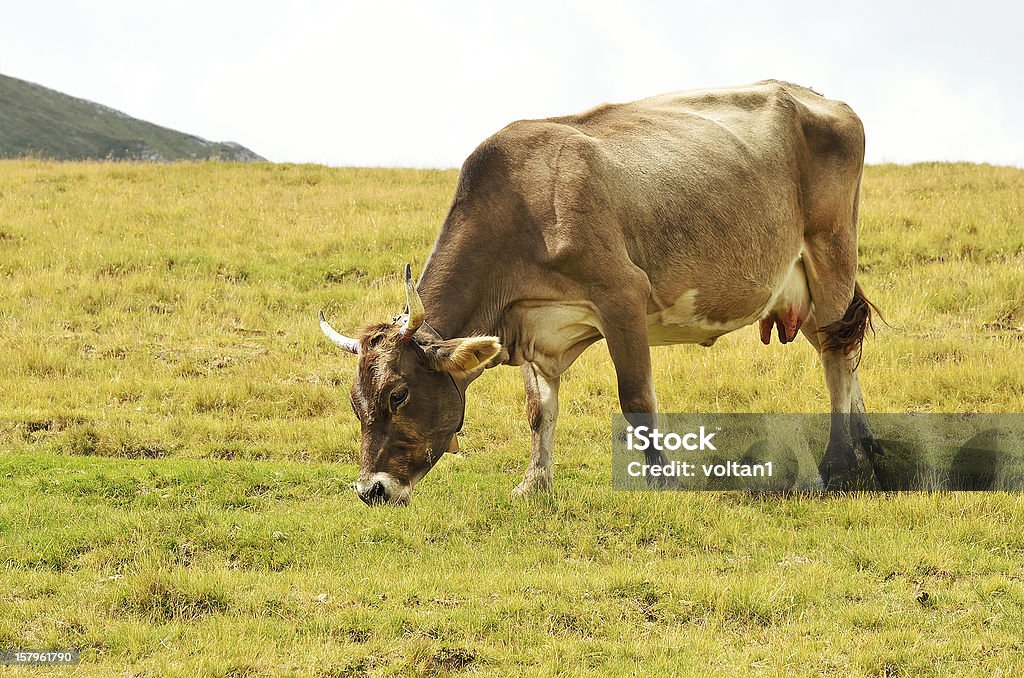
x: 347, y: 343
x: 414, y: 307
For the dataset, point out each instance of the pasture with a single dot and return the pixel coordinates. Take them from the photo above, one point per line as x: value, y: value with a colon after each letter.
x: 176, y: 451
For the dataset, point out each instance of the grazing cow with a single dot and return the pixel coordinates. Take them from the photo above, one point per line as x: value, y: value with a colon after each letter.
x: 674, y: 219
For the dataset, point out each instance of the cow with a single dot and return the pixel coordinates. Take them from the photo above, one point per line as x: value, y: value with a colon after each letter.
x: 674, y: 219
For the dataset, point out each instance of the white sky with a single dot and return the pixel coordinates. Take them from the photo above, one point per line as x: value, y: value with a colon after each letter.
x: 421, y: 83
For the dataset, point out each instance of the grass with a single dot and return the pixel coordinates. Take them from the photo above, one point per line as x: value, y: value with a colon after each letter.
x: 177, y: 449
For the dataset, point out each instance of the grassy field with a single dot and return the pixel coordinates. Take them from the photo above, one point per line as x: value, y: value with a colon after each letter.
x: 176, y: 450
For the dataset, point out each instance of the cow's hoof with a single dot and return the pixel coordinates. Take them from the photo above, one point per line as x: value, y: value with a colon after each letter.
x: 836, y: 476
x: 844, y: 478
x: 532, y: 486
x: 836, y: 482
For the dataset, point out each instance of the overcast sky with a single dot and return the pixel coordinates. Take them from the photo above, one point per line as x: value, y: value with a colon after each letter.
x: 421, y: 83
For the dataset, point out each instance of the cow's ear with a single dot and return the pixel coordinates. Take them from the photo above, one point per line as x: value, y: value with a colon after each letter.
x: 464, y: 356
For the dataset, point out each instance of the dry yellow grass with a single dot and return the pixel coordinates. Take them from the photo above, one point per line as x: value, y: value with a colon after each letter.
x: 177, y: 448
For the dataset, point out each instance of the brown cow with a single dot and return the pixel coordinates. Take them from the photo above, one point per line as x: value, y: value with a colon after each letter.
x: 674, y: 219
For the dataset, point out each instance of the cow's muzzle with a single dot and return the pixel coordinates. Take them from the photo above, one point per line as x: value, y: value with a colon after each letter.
x: 382, y: 488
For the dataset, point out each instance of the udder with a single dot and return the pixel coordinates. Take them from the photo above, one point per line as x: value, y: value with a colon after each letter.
x: 790, y: 309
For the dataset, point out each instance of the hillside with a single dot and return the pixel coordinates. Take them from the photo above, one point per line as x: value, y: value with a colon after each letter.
x: 42, y: 122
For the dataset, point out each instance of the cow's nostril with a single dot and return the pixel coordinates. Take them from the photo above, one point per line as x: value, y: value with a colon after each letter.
x: 375, y: 494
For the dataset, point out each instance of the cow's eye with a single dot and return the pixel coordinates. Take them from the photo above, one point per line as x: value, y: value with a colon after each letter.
x: 398, y: 398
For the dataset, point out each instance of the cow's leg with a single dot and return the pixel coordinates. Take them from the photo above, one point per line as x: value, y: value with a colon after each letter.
x: 542, y: 410
x: 840, y: 315
x: 860, y: 429
x: 839, y: 459
x: 623, y: 317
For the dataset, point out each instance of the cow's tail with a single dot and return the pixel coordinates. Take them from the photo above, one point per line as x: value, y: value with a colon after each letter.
x: 847, y: 333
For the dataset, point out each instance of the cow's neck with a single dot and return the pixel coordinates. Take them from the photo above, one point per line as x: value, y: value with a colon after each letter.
x: 452, y: 289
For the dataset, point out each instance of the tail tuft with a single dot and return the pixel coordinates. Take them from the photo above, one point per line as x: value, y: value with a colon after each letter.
x: 847, y: 333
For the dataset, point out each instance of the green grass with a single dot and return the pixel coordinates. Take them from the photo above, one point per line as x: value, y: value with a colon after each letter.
x: 177, y: 450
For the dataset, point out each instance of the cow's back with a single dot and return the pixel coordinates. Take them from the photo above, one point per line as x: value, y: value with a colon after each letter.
x: 712, y: 190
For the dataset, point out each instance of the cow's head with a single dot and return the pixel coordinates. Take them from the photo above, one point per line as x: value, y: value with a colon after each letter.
x: 409, y: 396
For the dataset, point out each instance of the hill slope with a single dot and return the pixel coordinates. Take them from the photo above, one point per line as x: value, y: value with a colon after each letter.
x: 38, y: 121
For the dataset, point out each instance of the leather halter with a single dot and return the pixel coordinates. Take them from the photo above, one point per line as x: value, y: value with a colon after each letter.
x: 462, y: 394
x: 462, y: 397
